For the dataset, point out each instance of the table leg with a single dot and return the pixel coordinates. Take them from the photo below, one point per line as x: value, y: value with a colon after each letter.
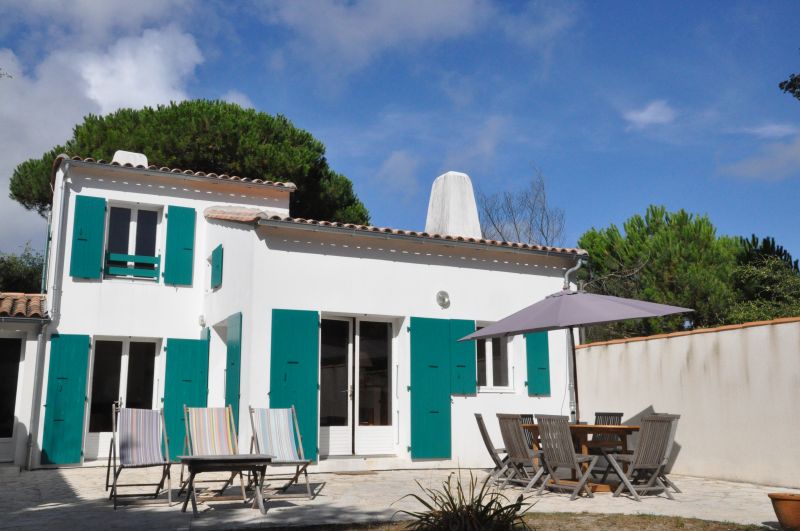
x: 259, y: 498
x: 189, y: 490
x: 625, y: 450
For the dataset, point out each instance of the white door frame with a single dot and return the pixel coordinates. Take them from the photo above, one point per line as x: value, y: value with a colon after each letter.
x: 340, y: 438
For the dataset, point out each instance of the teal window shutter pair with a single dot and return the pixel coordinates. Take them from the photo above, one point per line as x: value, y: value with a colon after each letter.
x: 538, y: 353
x: 88, y: 241
x: 216, y: 267
x: 463, y: 359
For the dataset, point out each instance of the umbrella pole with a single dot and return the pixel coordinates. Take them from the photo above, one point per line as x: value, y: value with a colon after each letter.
x: 574, y: 412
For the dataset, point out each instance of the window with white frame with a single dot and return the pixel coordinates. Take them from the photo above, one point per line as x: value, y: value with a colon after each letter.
x: 132, y: 248
x: 493, y: 363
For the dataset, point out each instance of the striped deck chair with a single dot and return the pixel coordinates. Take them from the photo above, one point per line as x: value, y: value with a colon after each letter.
x: 211, y: 431
x: 137, y: 436
x: 274, y: 434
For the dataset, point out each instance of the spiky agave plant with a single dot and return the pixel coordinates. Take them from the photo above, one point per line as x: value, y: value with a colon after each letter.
x: 451, y: 508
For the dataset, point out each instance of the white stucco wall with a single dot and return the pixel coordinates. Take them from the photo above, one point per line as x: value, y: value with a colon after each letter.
x: 737, y: 391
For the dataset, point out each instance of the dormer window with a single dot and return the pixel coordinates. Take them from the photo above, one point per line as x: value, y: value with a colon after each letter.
x: 132, y: 246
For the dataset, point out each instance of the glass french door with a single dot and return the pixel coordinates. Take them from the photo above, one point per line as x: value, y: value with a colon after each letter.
x: 10, y: 352
x: 355, y: 388
x: 122, y: 371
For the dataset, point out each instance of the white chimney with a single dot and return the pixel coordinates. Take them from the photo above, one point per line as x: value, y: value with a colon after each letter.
x: 129, y: 157
x: 452, y: 209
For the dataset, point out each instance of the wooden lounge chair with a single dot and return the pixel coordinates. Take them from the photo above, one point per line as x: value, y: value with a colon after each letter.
x: 559, y: 452
x: 137, y: 435
x: 501, y: 468
x: 520, y: 458
x: 277, y: 433
x: 211, y: 431
x: 646, y: 464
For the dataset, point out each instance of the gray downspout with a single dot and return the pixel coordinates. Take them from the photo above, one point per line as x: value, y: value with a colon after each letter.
x: 572, y: 370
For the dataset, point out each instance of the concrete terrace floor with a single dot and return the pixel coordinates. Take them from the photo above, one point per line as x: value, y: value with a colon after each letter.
x: 73, y: 498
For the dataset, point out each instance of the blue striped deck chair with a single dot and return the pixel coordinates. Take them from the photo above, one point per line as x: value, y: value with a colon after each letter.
x: 211, y: 431
x: 276, y: 433
x: 136, y: 440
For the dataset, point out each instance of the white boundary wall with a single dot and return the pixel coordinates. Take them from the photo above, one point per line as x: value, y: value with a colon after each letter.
x: 736, y: 388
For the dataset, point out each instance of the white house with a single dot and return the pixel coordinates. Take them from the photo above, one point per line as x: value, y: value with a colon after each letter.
x: 169, y: 287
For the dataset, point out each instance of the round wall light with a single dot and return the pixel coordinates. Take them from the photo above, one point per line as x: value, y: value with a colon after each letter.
x: 443, y: 299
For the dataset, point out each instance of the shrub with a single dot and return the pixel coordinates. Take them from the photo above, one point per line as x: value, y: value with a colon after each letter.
x: 452, y: 508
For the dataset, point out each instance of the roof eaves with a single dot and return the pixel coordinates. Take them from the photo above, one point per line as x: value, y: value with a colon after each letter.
x: 160, y: 170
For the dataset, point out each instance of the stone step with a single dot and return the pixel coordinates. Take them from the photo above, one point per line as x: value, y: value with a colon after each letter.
x: 7, y: 471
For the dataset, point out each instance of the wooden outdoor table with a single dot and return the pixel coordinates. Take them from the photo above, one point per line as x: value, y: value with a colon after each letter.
x: 580, y: 434
x: 253, y: 463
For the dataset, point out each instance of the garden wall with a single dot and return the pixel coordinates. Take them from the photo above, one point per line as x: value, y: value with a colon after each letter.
x: 737, y: 389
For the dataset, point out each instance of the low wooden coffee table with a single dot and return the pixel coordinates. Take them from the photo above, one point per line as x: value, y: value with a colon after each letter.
x: 256, y: 464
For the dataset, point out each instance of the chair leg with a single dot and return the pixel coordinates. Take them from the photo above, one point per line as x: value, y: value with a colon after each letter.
x: 582, y: 482
x: 626, y: 483
x: 241, y: 482
x: 533, y: 480
x: 169, y: 486
x: 108, y: 466
x: 669, y: 483
x: 308, y: 485
x: 114, y: 487
x: 666, y: 490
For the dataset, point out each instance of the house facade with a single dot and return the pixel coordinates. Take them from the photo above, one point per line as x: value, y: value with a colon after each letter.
x: 169, y: 287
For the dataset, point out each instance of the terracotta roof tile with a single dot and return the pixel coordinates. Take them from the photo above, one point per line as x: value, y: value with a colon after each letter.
x: 253, y: 215
x: 288, y: 186
x: 22, y: 305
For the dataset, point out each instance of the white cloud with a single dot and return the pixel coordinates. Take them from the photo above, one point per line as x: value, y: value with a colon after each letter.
x: 398, y: 174
x: 239, y: 98
x: 340, y: 37
x: 540, y: 24
x: 39, y: 106
x: 656, y: 112
x: 771, y: 130
x: 140, y: 71
x: 478, y: 146
x: 776, y: 162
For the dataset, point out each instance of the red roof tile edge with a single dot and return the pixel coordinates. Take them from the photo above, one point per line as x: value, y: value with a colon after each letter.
x: 24, y: 305
x: 288, y: 186
x: 247, y: 215
x: 782, y: 320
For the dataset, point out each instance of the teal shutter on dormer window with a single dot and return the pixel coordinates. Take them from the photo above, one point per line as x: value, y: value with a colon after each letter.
x: 179, y: 260
x: 216, y: 267
x: 538, y: 354
x: 88, y: 235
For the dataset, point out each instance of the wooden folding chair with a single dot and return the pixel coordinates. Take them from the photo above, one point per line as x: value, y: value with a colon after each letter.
x: 559, y: 452
x: 501, y: 468
x: 646, y: 464
x: 137, y: 434
x: 520, y: 459
x: 277, y: 433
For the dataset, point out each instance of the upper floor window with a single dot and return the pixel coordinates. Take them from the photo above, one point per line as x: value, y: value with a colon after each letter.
x: 493, y: 363
x: 132, y: 247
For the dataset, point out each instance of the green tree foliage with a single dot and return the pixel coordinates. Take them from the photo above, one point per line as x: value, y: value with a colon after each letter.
x: 791, y: 85
x: 667, y: 257
x: 767, y: 287
x: 754, y: 250
x: 209, y: 136
x: 21, y: 272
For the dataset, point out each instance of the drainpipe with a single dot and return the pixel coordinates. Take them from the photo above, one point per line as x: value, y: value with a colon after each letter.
x: 572, y: 368
x: 33, y: 435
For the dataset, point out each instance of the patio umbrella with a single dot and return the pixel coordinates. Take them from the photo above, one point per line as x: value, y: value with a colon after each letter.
x: 568, y: 309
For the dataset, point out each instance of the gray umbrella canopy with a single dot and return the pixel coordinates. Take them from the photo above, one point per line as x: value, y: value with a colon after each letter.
x: 568, y: 309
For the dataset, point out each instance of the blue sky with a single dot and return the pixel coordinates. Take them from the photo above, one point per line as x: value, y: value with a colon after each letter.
x: 619, y: 104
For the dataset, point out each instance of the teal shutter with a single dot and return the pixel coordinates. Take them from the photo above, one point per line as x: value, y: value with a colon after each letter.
x: 88, y: 237
x: 233, y: 365
x: 294, y: 370
x: 463, y: 359
x: 179, y: 260
x: 430, y: 399
x: 216, y: 267
x: 538, y: 354
x: 66, y: 399
x: 185, y: 383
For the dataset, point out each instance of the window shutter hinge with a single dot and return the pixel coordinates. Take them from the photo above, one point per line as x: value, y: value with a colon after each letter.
x: 408, y: 448
x: 408, y: 388
x: 408, y: 328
